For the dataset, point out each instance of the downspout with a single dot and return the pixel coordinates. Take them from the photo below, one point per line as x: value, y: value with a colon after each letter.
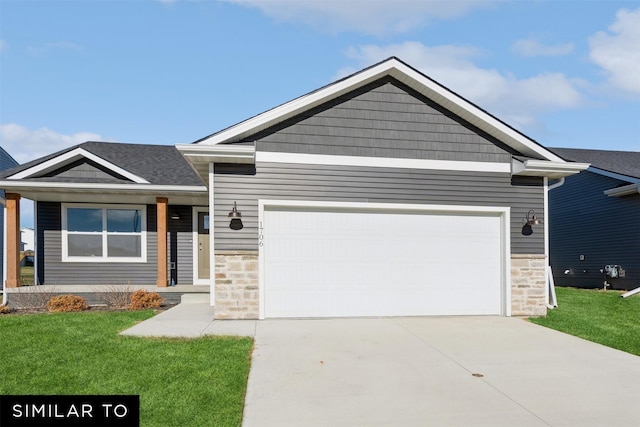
x: 4, y: 251
x: 546, y: 234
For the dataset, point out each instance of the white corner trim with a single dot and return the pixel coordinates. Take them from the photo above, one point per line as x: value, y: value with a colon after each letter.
x: 382, y: 162
x: 623, y: 191
x: 72, y: 156
x: 533, y: 167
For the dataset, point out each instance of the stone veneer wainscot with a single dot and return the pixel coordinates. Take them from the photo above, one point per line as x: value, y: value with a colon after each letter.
x: 528, y: 282
x: 236, y: 285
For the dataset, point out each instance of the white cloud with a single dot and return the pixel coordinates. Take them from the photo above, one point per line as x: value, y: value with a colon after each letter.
x: 371, y: 17
x: 618, y: 51
x: 48, y: 47
x: 25, y: 144
x: 518, y: 101
x: 533, y: 47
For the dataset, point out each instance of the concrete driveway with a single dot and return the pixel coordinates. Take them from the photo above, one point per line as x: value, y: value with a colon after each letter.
x: 442, y: 371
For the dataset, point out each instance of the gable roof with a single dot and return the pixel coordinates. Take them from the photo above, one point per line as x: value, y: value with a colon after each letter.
x: 138, y: 163
x: 392, y: 67
x: 625, y: 163
x: 126, y: 173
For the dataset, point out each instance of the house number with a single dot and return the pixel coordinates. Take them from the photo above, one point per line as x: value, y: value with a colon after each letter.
x: 260, y: 235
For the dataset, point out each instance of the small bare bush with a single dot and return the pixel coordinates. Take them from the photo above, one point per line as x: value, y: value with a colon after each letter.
x: 32, y: 297
x: 5, y: 309
x: 142, y: 299
x: 66, y: 303
x: 116, y: 296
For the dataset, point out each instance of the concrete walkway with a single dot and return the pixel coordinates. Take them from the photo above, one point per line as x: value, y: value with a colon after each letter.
x: 423, y: 371
x: 190, y: 319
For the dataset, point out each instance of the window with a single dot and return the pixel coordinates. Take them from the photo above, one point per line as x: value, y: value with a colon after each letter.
x: 109, y: 233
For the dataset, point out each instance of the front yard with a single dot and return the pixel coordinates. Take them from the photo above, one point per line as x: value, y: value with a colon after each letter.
x: 181, y: 382
x: 598, y: 316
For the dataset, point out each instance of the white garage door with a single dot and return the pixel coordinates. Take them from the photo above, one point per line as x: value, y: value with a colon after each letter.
x: 324, y: 263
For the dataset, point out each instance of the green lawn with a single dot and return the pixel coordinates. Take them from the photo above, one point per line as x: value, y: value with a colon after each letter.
x: 181, y: 382
x: 595, y: 315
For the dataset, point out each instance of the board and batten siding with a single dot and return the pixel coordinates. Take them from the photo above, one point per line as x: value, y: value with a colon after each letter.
x: 605, y: 230
x: 52, y: 271
x: 371, y: 185
x: 383, y: 119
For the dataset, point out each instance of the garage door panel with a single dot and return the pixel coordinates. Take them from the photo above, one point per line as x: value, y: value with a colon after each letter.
x: 324, y: 264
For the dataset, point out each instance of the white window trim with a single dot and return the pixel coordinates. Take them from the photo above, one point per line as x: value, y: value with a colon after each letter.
x: 104, y: 258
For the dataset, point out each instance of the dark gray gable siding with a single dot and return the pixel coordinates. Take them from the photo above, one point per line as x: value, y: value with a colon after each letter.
x: 383, y: 119
x: 606, y: 230
x: 52, y: 271
x: 375, y: 185
x: 86, y: 171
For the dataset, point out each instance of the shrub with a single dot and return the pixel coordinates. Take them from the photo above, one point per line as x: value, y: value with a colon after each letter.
x: 141, y: 299
x: 5, y: 309
x: 32, y: 297
x: 116, y: 296
x: 66, y: 303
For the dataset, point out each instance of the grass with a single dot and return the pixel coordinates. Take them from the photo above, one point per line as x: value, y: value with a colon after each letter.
x: 195, y: 382
x: 598, y: 316
x: 27, y: 275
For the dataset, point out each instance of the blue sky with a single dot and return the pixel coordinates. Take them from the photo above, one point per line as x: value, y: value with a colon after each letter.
x: 565, y: 73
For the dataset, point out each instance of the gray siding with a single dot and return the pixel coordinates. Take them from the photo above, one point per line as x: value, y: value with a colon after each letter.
x: 384, y: 119
x: 606, y: 230
x: 52, y: 271
x: 87, y: 171
x: 370, y: 185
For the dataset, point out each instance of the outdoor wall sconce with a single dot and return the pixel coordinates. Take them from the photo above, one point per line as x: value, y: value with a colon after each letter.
x: 175, y: 216
x: 236, y: 218
x: 526, y: 228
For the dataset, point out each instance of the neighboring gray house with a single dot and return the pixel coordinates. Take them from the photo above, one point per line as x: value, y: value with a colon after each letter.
x: 6, y: 162
x: 382, y: 194
x: 595, y: 221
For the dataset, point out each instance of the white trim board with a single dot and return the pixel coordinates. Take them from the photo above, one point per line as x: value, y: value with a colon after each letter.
x: 72, y: 156
x: 503, y: 212
x: 383, y: 162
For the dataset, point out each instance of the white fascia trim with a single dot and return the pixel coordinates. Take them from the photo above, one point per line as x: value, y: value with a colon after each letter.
x: 614, y: 175
x: 381, y: 162
x: 98, y: 186
x: 219, y: 153
x: 535, y: 167
x: 623, y: 191
x: 405, y: 74
x: 71, y: 156
x: 501, y: 211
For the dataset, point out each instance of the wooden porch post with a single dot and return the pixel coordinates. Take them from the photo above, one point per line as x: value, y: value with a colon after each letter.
x: 161, y: 205
x: 13, y: 240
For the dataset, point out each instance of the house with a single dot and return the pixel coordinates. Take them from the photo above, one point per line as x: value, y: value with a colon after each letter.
x: 594, y: 221
x: 6, y: 162
x: 382, y: 194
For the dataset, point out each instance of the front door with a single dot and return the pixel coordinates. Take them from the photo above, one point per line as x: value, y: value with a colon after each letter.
x: 203, y: 245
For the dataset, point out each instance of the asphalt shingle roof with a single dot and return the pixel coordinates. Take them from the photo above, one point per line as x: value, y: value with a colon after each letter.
x: 620, y: 162
x: 158, y: 164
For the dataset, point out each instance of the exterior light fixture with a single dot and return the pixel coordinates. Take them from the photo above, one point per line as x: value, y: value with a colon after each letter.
x: 533, y: 220
x: 236, y: 218
x: 175, y: 216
